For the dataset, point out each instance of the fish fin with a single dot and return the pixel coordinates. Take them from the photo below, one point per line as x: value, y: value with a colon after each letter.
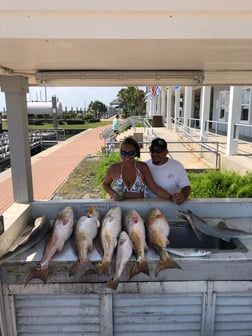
x: 89, y: 272
x: 198, y: 233
x: 103, y: 267
x: 223, y: 226
x: 87, y: 265
x: 167, y: 263
x: 138, y: 267
x: 160, y: 216
x: 112, y: 283
x: 92, y: 209
x: 38, y: 273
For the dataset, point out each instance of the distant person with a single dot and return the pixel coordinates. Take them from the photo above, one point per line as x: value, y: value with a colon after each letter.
x: 127, y: 179
x: 167, y: 172
x: 115, y: 126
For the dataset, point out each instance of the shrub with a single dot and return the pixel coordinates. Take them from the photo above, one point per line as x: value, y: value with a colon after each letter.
x: 220, y: 184
x: 102, y: 167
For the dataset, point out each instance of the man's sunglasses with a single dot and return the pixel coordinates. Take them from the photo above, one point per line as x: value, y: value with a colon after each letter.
x: 129, y: 153
x: 157, y: 150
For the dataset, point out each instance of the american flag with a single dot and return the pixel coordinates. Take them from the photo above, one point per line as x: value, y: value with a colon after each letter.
x: 154, y: 90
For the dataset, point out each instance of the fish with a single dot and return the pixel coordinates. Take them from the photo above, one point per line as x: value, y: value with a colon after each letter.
x: 210, y: 227
x: 158, y: 229
x: 123, y: 255
x: 85, y: 231
x: 109, y: 231
x: 187, y: 252
x: 134, y: 226
x: 61, y: 232
x: 29, y: 237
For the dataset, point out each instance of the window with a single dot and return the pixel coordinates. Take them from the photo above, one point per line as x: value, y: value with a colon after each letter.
x: 246, y: 92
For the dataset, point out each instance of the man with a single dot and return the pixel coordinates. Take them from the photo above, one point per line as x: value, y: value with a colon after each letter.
x: 115, y: 126
x: 167, y: 173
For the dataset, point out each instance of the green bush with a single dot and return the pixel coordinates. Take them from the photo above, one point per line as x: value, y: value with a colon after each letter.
x: 102, y: 167
x: 74, y: 121
x: 88, y: 116
x: 220, y: 184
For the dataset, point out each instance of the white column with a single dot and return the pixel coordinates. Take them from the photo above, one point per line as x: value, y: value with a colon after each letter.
x: 204, y: 110
x: 176, y: 109
x: 187, y: 106
x: 148, y: 105
x: 163, y: 101
x: 235, y: 99
x: 153, y: 106
x: 158, y: 101
x: 15, y: 89
x: 169, y: 108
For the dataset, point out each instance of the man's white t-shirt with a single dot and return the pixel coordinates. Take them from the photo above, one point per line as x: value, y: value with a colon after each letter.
x: 171, y: 176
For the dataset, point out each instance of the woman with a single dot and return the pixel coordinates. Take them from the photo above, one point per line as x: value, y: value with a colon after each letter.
x: 130, y: 176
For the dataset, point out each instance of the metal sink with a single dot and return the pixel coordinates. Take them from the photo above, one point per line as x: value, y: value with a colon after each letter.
x: 182, y: 236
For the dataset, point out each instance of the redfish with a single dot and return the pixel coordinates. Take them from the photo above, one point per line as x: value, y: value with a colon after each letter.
x: 158, y: 230
x: 134, y: 225
x: 109, y: 232
x: 61, y: 232
x: 85, y: 231
x: 123, y: 254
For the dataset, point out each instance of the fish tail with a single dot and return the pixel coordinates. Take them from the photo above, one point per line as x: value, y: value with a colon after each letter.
x: 166, y: 263
x: 103, y: 267
x: 112, y: 283
x: 87, y: 265
x: 139, y: 266
x: 38, y: 273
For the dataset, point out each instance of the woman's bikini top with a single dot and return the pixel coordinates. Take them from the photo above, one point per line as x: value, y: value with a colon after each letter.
x: 137, y: 187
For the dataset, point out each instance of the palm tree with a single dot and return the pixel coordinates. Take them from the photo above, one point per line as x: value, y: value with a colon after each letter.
x: 132, y: 100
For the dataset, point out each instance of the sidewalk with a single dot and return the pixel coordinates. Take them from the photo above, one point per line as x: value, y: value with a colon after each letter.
x: 51, y: 167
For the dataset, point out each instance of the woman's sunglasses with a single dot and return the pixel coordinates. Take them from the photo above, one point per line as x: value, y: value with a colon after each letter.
x: 129, y: 153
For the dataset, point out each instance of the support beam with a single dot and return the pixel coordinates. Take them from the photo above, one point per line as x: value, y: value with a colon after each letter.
x: 15, y: 89
x: 233, y: 117
x: 204, y: 111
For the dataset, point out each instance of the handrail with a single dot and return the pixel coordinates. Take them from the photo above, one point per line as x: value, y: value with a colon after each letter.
x: 211, y: 147
x: 108, y: 132
x: 36, y: 139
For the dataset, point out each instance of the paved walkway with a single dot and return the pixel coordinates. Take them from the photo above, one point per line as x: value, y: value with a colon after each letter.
x: 51, y: 167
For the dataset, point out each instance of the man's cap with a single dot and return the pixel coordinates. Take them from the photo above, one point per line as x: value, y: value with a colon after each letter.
x: 160, y: 143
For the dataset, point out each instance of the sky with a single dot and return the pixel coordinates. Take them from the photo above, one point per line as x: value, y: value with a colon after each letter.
x: 70, y: 96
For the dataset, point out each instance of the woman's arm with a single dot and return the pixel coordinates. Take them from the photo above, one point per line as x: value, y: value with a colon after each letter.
x: 148, y: 180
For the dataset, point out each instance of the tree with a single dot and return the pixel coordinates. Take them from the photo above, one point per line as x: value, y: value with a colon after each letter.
x: 132, y: 100
x: 97, y: 107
